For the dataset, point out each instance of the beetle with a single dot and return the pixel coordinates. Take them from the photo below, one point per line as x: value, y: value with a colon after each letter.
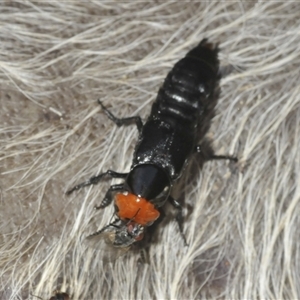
x: 179, y: 120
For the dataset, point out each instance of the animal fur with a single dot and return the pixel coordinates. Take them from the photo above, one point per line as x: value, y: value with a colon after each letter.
x: 241, y: 221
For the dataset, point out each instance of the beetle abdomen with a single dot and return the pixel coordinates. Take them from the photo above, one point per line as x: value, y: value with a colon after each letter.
x: 181, y: 114
x: 188, y: 85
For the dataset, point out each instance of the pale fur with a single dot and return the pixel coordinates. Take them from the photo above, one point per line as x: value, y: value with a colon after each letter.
x: 241, y: 221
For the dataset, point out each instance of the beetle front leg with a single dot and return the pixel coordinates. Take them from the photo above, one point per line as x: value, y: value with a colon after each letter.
x: 178, y: 217
x: 95, y: 179
x: 108, y: 198
x: 123, y: 121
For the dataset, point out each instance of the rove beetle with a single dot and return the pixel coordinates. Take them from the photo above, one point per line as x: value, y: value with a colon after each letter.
x: 178, y: 121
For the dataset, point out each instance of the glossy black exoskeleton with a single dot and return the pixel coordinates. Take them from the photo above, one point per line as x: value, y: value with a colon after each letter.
x: 178, y: 121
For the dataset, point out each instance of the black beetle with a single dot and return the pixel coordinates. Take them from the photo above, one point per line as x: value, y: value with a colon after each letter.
x: 178, y: 121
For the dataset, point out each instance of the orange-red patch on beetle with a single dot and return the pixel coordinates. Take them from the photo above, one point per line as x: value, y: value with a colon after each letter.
x: 136, y: 209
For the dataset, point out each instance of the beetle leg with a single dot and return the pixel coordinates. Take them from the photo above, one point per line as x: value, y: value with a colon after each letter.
x: 108, y: 196
x: 178, y: 217
x: 123, y: 121
x: 207, y: 153
x: 95, y: 179
x: 229, y: 157
x: 150, y: 238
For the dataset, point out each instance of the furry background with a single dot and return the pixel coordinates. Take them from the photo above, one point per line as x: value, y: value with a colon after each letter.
x: 241, y: 221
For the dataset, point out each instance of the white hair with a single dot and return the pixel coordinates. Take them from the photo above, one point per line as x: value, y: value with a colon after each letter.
x: 241, y: 220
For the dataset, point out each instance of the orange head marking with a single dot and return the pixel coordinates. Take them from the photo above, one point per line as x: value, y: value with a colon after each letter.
x: 135, y: 208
